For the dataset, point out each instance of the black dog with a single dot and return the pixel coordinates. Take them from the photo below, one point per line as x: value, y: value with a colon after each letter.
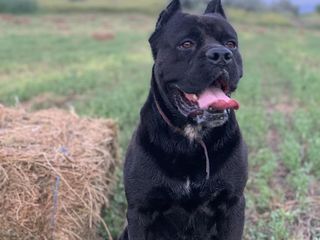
x: 186, y: 166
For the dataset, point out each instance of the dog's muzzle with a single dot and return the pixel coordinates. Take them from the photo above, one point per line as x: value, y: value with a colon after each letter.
x: 210, y: 105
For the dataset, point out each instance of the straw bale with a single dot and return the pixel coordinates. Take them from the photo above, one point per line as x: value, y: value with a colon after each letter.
x: 56, y: 171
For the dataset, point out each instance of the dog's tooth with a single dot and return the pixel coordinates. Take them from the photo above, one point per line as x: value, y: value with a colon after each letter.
x: 195, y: 97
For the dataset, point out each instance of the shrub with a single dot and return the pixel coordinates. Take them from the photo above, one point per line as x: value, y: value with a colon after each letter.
x: 18, y: 6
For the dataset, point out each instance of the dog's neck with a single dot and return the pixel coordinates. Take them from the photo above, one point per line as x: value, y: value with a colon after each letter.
x: 192, y: 137
x: 169, y: 114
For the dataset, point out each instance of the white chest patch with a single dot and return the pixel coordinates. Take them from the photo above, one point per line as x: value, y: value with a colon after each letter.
x: 187, y: 186
x: 192, y: 132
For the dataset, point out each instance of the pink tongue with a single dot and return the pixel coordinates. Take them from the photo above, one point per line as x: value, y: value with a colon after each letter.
x: 217, y: 99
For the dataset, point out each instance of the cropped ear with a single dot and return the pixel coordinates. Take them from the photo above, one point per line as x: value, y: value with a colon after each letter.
x: 166, y: 14
x: 172, y: 8
x: 215, y: 6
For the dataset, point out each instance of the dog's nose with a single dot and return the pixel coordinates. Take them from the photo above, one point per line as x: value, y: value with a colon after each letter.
x: 220, y: 55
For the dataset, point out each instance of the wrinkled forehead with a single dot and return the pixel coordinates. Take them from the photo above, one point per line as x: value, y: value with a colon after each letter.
x: 213, y: 25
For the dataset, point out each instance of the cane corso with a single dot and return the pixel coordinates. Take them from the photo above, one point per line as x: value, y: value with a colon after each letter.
x: 186, y: 166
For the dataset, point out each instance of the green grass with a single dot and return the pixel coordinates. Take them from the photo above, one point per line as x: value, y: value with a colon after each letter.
x: 67, y: 6
x: 54, y: 60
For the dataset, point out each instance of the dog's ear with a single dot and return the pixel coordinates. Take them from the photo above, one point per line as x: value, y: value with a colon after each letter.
x: 166, y: 14
x: 215, y: 6
x: 172, y: 8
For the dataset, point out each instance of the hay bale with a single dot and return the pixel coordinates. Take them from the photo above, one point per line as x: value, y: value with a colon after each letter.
x: 55, y: 174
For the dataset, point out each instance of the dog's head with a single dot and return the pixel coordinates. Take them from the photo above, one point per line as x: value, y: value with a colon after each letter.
x: 197, y: 63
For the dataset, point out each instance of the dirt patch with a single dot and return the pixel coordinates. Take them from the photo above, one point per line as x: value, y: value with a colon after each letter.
x: 50, y: 100
x: 103, y: 36
x: 273, y: 139
x: 286, y: 108
x: 307, y: 223
x: 14, y: 19
x: 285, y: 105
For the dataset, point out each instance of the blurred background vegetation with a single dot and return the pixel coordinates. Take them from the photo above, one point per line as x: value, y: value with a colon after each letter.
x: 93, y: 56
x: 27, y: 6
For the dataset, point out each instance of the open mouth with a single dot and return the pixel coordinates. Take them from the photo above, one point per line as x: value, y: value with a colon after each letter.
x: 214, y: 100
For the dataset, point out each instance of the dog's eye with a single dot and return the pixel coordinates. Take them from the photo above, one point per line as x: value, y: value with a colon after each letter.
x: 231, y: 45
x: 186, y: 45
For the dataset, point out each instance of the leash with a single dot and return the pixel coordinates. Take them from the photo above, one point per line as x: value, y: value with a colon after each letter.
x: 176, y: 129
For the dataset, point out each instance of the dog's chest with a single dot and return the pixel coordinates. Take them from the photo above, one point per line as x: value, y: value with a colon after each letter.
x: 186, y: 189
x: 204, y: 196
x: 193, y: 209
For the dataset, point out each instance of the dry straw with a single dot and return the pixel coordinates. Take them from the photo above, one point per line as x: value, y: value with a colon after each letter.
x: 56, y: 171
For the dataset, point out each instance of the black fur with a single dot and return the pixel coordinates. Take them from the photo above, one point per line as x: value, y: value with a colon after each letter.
x: 165, y: 178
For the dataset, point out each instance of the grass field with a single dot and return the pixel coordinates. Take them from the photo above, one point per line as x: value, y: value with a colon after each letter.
x: 76, y: 6
x: 100, y: 65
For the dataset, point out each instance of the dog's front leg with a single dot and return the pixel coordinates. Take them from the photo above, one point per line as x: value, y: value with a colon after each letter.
x: 231, y: 228
x: 137, y: 224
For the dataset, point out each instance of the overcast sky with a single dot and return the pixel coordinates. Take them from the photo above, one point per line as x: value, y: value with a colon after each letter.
x: 301, y: 2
